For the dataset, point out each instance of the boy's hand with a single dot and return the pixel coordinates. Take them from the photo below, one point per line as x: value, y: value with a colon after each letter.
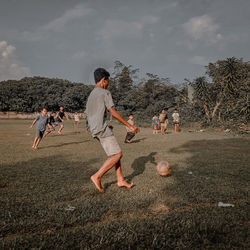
x: 31, y: 126
x: 135, y: 129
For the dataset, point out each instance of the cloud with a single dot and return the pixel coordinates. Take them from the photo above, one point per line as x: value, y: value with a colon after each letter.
x: 10, y: 66
x: 198, y: 60
x: 119, y: 28
x: 80, y: 55
x: 203, y: 28
x: 58, y: 24
x: 77, y: 12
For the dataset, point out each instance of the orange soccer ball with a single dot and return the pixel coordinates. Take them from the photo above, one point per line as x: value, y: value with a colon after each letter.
x: 163, y: 168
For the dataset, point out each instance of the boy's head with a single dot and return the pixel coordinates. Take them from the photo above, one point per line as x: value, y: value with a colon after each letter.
x: 76, y: 113
x: 53, y: 113
x: 131, y: 117
x: 175, y: 110
x: 44, y: 111
x: 61, y: 108
x: 163, y: 111
x: 155, y: 115
x: 101, y: 75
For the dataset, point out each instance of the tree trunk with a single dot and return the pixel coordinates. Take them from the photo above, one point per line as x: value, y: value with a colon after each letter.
x: 206, y: 112
x: 218, y: 103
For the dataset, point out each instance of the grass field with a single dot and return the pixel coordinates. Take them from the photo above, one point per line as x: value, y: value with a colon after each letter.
x: 48, y: 201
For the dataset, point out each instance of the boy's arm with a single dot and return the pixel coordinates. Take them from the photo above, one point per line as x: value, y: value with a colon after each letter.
x: 58, y: 116
x: 33, y: 123
x: 49, y: 124
x: 117, y: 116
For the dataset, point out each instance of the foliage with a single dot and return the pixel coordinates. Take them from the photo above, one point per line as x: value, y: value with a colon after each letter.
x: 221, y: 96
x: 32, y: 93
x: 227, y: 96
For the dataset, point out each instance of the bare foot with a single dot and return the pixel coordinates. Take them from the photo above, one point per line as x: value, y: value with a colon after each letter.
x: 59, y: 132
x: 97, y: 183
x: 125, y: 184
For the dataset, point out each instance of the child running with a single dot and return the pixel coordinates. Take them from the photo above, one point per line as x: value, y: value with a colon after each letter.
x: 52, y: 124
x: 130, y: 133
x: 60, y: 120
x: 99, y: 100
x: 41, y: 122
x: 176, y: 120
x: 155, y: 124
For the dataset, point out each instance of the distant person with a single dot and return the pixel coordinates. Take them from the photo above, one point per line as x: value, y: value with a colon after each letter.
x: 155, y: 124
x: 60, y: 119
x: 130, y: 133
x: 163, y: 119
x: 52, y: 124
x: 99, y: 100
x: 176, y: 120
x: 76, y: 120
x: 41, y: 122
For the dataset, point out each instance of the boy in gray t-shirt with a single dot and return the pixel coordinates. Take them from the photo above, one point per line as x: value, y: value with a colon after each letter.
x: 41, y: 121
x: 99, y: 100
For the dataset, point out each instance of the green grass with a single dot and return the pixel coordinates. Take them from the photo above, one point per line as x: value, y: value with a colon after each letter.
x: 178, y: 211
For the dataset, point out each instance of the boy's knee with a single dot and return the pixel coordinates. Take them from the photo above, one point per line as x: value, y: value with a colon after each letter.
x: 119, y: 155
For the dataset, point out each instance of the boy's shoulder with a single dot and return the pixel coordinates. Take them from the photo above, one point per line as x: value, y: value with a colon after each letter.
x: 97, y: 91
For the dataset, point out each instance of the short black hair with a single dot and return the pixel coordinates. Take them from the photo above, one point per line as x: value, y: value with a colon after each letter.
x: 100, y: 73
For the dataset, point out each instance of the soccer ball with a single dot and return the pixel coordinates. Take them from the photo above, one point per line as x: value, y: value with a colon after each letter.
x: 163, y: 168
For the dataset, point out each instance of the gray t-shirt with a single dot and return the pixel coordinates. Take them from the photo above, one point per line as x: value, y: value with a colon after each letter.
x: 41, y: 122
x: 98, y: 101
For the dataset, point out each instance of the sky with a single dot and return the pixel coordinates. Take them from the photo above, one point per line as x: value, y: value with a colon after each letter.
x: 69, y: 39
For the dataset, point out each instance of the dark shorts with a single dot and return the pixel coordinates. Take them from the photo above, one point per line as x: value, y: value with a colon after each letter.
x: 129, y: 136
x: 52, y: 127
x: 39, y: 133
x: 57, y: 123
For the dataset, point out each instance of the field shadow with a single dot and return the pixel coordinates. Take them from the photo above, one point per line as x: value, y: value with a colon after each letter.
x: 138, y: 166
x: 138, y: 140
x: 63, y: 144
x: 48, y: 172
x: 218, y: 170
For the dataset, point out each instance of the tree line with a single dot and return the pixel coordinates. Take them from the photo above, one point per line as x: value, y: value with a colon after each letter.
x: 221, y: 96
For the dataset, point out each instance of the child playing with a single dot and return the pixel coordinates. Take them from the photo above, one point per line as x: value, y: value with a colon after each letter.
x: 155, y: 124
x: 76, y: 119
x: 130, y: 133
x: 176, y: 120
x: 163, y: 119
x: 41, y: 122
x: 99, y: 100
x: 52, y: 124
x: 59, y: 119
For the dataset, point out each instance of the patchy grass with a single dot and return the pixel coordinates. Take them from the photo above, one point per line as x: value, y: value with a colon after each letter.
x: 178, y: 211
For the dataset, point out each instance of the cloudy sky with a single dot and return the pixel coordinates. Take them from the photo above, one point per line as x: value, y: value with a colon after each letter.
x: 69, y: 38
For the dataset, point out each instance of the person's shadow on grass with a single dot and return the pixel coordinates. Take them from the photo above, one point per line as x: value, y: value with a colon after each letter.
x: 138, y: 166
x: 138, y: 140
x: 63, y: 144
